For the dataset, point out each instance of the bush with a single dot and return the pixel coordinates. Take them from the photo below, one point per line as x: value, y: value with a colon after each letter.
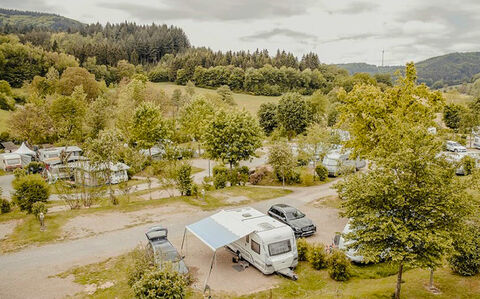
x: 465, y: 259
x: 256, y: 177
x: 468, y: 163
x: 292, y: 177
x: 184, y: 179
x: 143, y: 261
x: 306, y: 177
x: 19, y: 172
x: 317, y: 256
x: 30, y: 189
x: 302, y: 249
x: 5, y: 206
x: 220, y: 176
x: 161, y: 283
x: 195, y: 191
x: 34, y: 167
x: 322, y: 172
x: 339, y: 266
x: 39, y: 207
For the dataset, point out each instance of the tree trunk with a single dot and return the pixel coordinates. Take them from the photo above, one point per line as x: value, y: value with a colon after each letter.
x: 399, y: 281
x: 431, y: 279
x: 283, y: 178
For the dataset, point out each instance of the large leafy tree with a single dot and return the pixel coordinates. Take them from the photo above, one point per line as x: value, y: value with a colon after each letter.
x: 293, y: 113
x: 32, y: 123
x: 406, y: 207
x: 68, y: 113
x: 148, y: 126
x: 232, y: 136
x: 267, y: 115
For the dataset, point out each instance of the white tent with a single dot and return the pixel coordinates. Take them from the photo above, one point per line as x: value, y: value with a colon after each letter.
x: 24, y: 150
x: 219, y: 230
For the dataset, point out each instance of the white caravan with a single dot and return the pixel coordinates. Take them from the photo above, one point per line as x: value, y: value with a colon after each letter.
x: 476, y: 142
x: 267, y: 244
x: 270, y: 248
x: 338, y: 162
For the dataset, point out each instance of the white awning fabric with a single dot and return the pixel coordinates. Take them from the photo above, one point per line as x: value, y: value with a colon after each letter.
x: 219, y: 229
x: 24, y: 150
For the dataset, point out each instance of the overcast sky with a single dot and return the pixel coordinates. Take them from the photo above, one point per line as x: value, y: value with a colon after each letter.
x: 338, y: 31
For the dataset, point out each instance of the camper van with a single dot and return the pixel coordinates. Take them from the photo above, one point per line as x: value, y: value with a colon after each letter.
x: 342, y: 244
x: 338, y: 162
x: 271, y: 247
x: 476, y: 142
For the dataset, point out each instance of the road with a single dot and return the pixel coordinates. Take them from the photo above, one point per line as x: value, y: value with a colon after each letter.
x: 25, y: 274
x: 6, y: 185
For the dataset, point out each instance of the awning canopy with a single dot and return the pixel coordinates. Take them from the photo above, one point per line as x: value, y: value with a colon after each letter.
x: 220, y: 229
x: 24, y: 150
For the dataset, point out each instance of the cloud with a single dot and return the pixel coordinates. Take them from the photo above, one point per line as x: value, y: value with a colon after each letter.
x: 29, y: 5
x: 279, y: 32
x: 356, y: 7
x: 353, y: 37
x: 212, y: 10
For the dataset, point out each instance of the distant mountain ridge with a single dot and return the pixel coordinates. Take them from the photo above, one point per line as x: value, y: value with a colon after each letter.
x: 25, y: 20
x: 449, y: 69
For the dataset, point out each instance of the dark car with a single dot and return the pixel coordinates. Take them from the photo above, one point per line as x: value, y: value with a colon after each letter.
x: 301, y: 225
x: 163, y: 251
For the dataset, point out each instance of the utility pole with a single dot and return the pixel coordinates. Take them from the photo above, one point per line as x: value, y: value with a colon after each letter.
x: 383, y: 54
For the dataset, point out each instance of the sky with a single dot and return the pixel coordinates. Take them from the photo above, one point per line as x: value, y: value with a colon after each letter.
x: 339, y: 31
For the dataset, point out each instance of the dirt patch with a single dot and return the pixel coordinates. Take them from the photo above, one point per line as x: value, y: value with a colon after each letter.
x: 7, y: 228
x: 237, y: 199
x: 92, y: 224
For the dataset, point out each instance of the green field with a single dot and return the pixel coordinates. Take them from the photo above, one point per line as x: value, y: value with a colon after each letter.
x: 4, y: 120
x: 454, y: 97
x: 250, y: 102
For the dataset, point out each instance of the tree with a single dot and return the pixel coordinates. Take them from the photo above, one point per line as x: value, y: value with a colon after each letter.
x: 103, y: 153
x: 293, y: 113
x: 30, y: 189
x: 190, y: 88
x: 405, y: 208
x: 267, y: 116
x: 226, y: 94
x: 232, y: 136
x: 195, y: 117
x: 32, y: 123
x: 184, y: 179
x: 465, y: 259
x: 281, y: 158
x: 452, y: 115
x: 68, y: 113
x: 176, y: 99
x: 148, y: 126
x: 76, y: 76
x: 315, y: 144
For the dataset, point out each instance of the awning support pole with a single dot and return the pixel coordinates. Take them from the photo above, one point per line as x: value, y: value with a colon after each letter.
x: 209, y: 272
x: 183, y: 241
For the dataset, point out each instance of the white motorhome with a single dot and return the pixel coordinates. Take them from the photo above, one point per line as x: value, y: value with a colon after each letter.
x: 338, y: 162
x: 476, y: 142
x: 342, y: 244
x: 270, y: 248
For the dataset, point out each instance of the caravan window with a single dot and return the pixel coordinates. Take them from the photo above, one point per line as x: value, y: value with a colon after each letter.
x: 13, y: 161
x: 330, y: 162
x: 255, y: 247
x: 278, y: 248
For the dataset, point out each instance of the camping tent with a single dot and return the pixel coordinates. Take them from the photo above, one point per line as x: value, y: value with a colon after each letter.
x: 219, y: 230
x: 24, y: 150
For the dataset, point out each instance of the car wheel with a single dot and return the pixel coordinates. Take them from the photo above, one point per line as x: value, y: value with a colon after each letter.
x: 455, y: 150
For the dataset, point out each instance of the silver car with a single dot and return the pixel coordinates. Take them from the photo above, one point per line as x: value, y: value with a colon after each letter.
x: 163, y: 251
x: 456, y: 147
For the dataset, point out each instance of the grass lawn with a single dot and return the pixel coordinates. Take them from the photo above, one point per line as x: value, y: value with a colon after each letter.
x: 371, y: 281
x: 250, y: 102
x: 454, y: 97
x: 28, y: 231
x: 4, y: 115
x: 131, y: 183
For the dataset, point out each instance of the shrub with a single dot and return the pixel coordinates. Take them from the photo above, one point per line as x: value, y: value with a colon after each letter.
x: 291, y: 177
x: 142, y: 262
x: 195, y: 191
x: 317, y: 256
x: 243, y: 175
x: 306, y: 177
x: 258, y: 175
x: 161, y: 283
x: 184, y: 179
x: 19, y: 172
x: 339, y: 266
x: 220, y: 176
x: 322, y: 172
x: 302, y: 249
x: 39, y: 207
x: 30, y: 189
x: 34, y: 167
x: 5, y: 206
x: 465, y: 259
x: 468, y: 164
x: 207, y: 183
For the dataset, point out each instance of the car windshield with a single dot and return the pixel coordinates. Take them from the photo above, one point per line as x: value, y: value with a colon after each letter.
x: 294, y: 214
x: 278, y: 248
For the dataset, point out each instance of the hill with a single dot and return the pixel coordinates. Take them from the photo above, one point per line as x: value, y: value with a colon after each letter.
x: 25, y: 20
x: 449, y: 69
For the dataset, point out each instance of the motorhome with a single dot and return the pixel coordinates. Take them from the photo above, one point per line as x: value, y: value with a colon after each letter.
x: 338, y: 162
x: 270, y: 248
x: 342, y: 244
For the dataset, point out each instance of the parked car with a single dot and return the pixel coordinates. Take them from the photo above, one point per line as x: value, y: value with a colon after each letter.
x: 301, y: 225
x: 342, y: 244
x: 454, y: 146
x: 338, y: 162
x: 162, y: 250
